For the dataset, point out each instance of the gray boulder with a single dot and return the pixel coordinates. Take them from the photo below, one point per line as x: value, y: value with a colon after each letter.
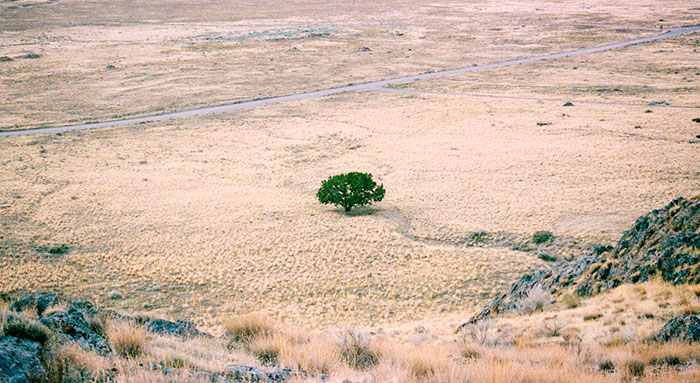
x: 72, y: 324
x: 19, y: 360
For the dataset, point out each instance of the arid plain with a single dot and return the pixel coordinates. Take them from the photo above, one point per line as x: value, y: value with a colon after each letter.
x: 206, y: 217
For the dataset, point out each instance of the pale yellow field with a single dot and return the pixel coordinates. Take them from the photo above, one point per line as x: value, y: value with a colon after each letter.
x: 199, y: 218
x: 166, y: 56
x: 218, y: 214
x: 661, y: 73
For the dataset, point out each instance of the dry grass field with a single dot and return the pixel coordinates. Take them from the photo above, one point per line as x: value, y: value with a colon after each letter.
x: 99, y: 61
x: 209, y: 217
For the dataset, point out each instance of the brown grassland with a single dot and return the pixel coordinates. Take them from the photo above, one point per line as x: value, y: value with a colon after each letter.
x: 214, y: 217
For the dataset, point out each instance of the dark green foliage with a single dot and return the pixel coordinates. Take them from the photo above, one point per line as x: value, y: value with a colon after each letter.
x: 696, y: 120
x: 27, y: 329
x: 568, y: 103
x: 350, y: 189
x: 606, y: 366
x: 542, y: 237
x: 547, y: 257
x: 5, y: 59
x: 53, y: 249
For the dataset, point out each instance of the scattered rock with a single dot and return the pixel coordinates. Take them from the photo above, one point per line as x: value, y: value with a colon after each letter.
x: 665, y: 242
x: 684, y: 328
x: 254, y: 374
x: 19, y: 360
x: 181, y: 328
x: 364, y: 49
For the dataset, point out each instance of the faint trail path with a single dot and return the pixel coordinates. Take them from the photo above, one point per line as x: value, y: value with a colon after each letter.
x: 368, y: 86
x: 525, y: 98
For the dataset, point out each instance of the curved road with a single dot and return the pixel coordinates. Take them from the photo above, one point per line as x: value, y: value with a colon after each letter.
x: 368, y: 86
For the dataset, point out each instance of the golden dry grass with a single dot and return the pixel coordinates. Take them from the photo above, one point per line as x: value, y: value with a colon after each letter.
x: 207, y: 216
x: 127, y: 339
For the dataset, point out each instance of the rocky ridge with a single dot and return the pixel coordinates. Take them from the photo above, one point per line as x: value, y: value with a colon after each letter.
x: 664, y: 243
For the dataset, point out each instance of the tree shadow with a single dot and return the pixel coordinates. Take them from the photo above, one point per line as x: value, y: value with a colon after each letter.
x: 359, y: 211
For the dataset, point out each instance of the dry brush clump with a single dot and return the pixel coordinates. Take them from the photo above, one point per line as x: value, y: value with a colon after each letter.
x: 246, y: 327
x: 127, y: 339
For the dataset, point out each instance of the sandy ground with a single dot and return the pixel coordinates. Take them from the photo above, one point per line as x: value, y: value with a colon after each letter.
x: 108, y: 60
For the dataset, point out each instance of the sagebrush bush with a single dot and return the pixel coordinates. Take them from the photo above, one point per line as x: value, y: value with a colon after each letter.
x: 356, y: 351
x: 536, y: 300
x: 350, y: 189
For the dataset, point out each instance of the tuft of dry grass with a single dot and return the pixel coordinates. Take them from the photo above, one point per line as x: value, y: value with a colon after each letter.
x: 356, y: 350
x: 69, y: 363
x: 127, y: 339
x: 245, y: 328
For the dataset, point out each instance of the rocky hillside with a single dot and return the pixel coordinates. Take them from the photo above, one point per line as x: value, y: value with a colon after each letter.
x: 37, y: 326
x: 664, y: 243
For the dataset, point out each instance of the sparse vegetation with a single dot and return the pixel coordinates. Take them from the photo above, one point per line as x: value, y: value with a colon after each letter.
x: 542, y: 237
x: 349, y: 190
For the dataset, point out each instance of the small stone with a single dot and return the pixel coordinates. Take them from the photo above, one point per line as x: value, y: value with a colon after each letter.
x: 114, y: 294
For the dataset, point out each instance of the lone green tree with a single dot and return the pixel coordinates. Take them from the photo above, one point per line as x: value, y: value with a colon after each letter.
x: 350, y: 189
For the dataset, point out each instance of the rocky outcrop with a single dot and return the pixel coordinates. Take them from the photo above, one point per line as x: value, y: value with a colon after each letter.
x: 19, y: 360
x: 684, y: 328
x: 182, y: 328
x: 665, y: 243
x: 72, y: 325
x: 39, y: 302
x: 63, y: 321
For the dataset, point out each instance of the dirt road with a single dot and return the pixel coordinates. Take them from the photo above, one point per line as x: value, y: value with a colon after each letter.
x: 369, y: 86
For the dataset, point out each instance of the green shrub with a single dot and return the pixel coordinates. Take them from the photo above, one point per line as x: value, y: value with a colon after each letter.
x: 547, y: 257
x: 696, y: 120
x: 350, y: 189
x: 542, y: 237
x: 571, y: 301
